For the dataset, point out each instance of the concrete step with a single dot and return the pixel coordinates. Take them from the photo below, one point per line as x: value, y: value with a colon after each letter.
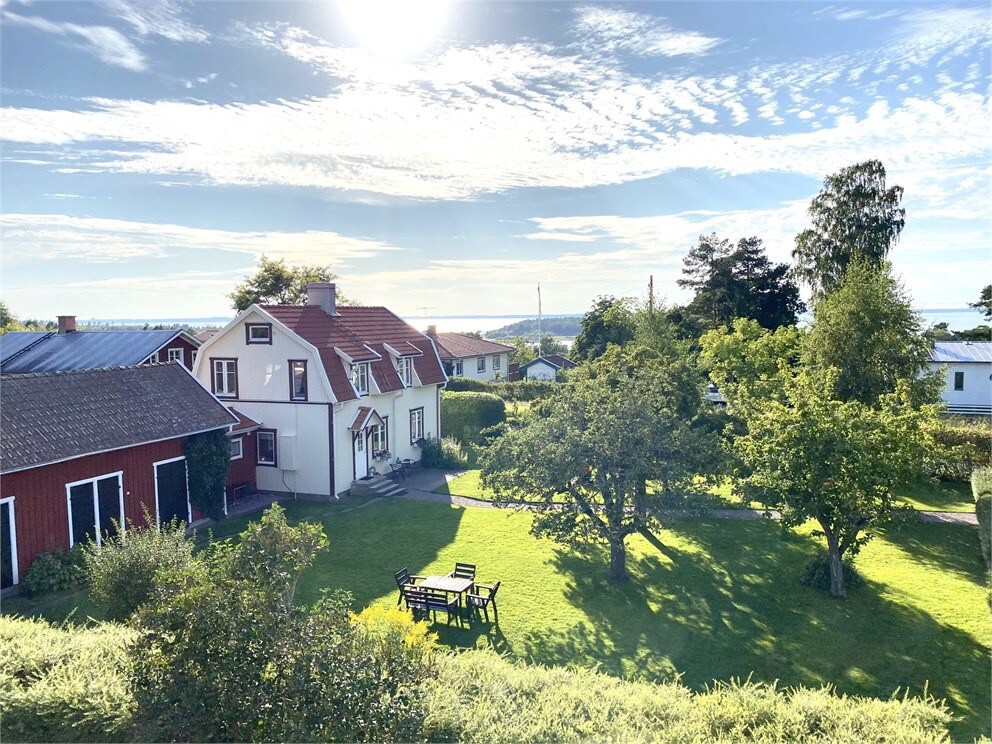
x: 378, y: 486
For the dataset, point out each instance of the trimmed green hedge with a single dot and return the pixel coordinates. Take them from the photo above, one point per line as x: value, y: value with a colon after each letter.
x: 981, y: 488
x: 465, y: 415
x: 519, y: 390
x: 963, y: 446
x: 65, y: 684
x: 479, y: 697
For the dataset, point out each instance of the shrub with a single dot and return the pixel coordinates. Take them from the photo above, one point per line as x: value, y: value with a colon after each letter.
x: 122, y: 572
x: 466, y: 384
x: 962, y: 446
x: 54, y: 572
x: 443, y: 453
x: 816, y: 573
x: 225, y: 657
x: 524, y: 390
x: 464, y: 415
x: 981, y: 488
x: 65, y: 684
x: 478, y: 697
x: 208, y: 457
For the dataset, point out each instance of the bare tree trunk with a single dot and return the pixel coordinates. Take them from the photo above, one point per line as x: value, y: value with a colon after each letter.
x: 618, y: 559
x: 837, y: 588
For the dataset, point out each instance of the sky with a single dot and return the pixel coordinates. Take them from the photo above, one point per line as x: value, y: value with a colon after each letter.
x: 447, y: 157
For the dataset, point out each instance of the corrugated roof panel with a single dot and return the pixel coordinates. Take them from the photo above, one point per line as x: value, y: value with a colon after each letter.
x: 17, y: 341
x: 950, y: 352
x: 88, y: 350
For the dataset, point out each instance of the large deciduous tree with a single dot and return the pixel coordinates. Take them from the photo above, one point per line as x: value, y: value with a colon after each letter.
x: 609, y: 321
x: 868, y: 331
x: 815, y: 456
x: 279, y: 284
x: 738, y: 281
x: 585, y: 459
x: 854, y: 215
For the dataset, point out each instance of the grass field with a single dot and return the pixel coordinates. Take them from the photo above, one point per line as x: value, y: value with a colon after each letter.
x: 721, y: 600
x: 952, y: 497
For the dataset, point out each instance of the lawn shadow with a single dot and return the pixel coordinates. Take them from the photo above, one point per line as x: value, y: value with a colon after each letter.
x: 958, y: 551
x: 473, y: 631
x: 727, y: 603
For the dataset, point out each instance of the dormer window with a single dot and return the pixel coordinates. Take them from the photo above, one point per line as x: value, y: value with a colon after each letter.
x: 258, y: 333
x: 405, y: 371
x: 360, y: 378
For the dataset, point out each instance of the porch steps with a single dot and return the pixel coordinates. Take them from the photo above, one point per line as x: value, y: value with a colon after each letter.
x: 380, y: 485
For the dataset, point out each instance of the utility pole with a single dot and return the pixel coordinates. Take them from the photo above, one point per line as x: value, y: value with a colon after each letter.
x: 651, y: 294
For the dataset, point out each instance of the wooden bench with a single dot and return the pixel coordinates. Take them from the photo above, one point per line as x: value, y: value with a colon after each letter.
x: 423, y: 601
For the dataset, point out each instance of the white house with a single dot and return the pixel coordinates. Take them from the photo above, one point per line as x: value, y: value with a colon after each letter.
x: 336, y: 390
x: 475, y: 358
x: 545, y: 367
x: 967, y: 375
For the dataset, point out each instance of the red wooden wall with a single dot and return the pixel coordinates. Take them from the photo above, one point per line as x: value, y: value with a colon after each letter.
x: 243, y: 470
x: 178, y: 343
x: 40, y: 510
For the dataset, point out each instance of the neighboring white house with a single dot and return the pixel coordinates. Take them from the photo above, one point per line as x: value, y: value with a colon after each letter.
x: 545, y: 367
x: 475, y: 358
x: 967, y: 375
x: 337, y: 390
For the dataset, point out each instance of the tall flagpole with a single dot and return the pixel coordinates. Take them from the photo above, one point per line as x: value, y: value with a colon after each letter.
x: 539, y: 319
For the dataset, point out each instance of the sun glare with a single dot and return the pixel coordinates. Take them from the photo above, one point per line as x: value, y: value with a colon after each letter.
x: 394, y: 28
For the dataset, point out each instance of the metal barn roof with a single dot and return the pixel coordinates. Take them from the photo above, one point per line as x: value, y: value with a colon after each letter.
x: 82, y: 350
x: 950, y: 352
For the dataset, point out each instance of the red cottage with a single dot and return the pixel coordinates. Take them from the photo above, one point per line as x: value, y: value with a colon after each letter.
x: 81, y: 448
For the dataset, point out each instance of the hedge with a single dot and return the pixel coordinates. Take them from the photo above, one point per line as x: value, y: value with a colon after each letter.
x: 519, y: 390
x: 65, y: 684
x: 963, y: 446
x: 981, y: 488
x: 479, y: 697
x: 464, y: 415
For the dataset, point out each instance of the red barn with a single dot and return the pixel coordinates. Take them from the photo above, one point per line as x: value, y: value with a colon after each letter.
x: 82, y: 448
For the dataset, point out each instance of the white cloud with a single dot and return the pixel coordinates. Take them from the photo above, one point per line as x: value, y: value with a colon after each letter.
x: 106, y: 43
x: 611, y: 29
x: 157, y: 18
x: 32, y: 237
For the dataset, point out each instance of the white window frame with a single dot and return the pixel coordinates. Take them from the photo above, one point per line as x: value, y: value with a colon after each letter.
x: 218, y: 391
x: 405, y: 371
x: 258, y: 449
x: 497, y: 362
x: 189, y: 507
x: 416, y: 432
x: 175, y: 355
x: 12, y: 538
x: 360, y: 378
x: 266, y: 339
x: 241, y: 448
x: 480, y: 364
x: 153, y: 358
x: 96, y: 502
x: 380, y: 438
x: 194, y: 357
x: 458, y: 368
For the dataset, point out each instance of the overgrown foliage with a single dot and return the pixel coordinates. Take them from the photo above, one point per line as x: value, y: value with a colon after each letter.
x: 446, y: 452
x: 816, y: 573
x: 65, y: 684
x: 867, y: 329
x: 478, y: 697
x: 277, y: 283
x: 56, y: 571
x: 609, y: 321
x: 585, y: 458
x: 961, y: 446
x: 122, y: 571
x: 981, y: 488
x: 208, y: 457
x: 855, y: 215
x: 465, y: 415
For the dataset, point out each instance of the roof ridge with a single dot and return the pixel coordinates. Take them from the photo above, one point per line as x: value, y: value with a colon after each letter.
x: 84, y: 370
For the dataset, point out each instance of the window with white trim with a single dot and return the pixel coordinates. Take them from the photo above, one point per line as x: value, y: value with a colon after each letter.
x: 458, y: 368
x: 360, y: 378
x: 405, y: 371
x: 153, y: 358
x: 225, y: 377
x: 237, y: 449
x: 96, y: 508
x: 194, y: 356
x: 297, y: 379
x: 265, y: 441
x: 380, y: 439
x: 176, y: 355
x: 497, y: 362
x: 416, y: 424
x: 258, y: 333
x: 480, y: 364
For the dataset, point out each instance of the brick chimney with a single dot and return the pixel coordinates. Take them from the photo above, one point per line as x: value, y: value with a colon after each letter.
x: 323, y: 295
x: 432, y: 331
x: 67, y: 324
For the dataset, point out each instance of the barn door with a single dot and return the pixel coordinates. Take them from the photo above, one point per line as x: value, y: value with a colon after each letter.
x: 171, y: 495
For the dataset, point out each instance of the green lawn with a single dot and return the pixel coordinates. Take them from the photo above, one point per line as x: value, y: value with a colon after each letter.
x: 952, y: 497
x: 720, y: 600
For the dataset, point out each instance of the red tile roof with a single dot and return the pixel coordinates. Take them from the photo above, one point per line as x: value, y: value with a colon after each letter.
x: 360, y: 332
x: 460, y: 346
x: 245, y: 423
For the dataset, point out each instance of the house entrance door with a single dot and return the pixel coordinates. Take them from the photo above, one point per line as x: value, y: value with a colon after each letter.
x: 171, y: 495
x: 361, y: 459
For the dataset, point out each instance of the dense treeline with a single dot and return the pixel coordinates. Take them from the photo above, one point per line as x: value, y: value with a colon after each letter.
x: 558, y: 326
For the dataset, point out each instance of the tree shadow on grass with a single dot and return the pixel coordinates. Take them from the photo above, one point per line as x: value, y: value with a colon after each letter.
x: 957, y: 549
x: 727, y: 603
